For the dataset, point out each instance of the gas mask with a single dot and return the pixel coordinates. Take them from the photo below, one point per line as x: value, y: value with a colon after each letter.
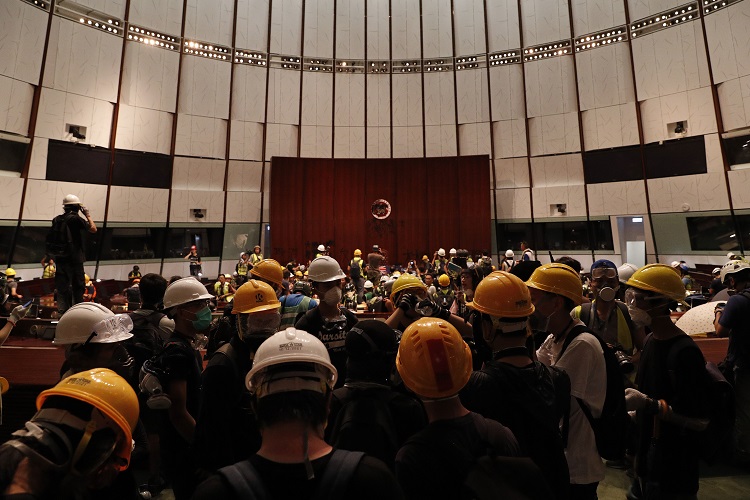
x: 607, y: 294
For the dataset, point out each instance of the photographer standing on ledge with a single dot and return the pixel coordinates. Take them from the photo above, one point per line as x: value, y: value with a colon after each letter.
x: 65, y: 243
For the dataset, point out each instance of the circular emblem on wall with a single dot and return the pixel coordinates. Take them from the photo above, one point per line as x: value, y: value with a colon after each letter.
x: 380, y: 209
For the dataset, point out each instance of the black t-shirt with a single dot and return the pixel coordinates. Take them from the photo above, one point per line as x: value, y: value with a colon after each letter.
x: 371, y: 481
x: 684, y: 387
x: 76, y: 225
x: 434, y: 462
x: 332, y: 334
x: 226, y: 431
x: 181, y: 362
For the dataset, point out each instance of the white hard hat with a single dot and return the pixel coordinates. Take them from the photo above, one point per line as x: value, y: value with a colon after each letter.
x: 324, y: 269
x: 92, y: 322
x: 441, y: 252
x: 509, y: 253
x: 321, y: 248
x: 71, y: 199
x: 731, y: 267
x: 731, y: 255
x: 625, y: 271
x: 383, y: 279
x: 716, y: 270
x: 452, y: 251
x: 291, y: 346
x: 368, y: 284
x: 185, y: 290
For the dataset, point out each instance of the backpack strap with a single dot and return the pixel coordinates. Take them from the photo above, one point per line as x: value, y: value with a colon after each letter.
x: 338, y: 474
x: 244, y: 480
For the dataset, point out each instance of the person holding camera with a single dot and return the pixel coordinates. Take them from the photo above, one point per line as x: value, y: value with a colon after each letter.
x: 609, y: 318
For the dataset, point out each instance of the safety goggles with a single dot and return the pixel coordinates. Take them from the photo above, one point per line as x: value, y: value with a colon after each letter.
x: 632, y: 295
x: 603, y: 272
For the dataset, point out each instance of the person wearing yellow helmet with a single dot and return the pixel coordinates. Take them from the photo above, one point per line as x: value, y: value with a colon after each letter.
x: 89, y: 291
x: 270, y: 271
x: 77, y: 442
x: 356, y: 273
x: 512, y: 387
x: 11, y: 288
x: 555, y: 289
x: 444, y: 295
x: 225, y: 430
x: 672, y: 396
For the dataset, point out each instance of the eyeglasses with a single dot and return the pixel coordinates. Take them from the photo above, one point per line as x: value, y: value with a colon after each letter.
x: 603, y: 272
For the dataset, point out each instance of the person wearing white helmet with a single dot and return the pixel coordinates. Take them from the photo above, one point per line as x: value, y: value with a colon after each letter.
x: 242, y: 268
x: 439, y: 261
x: 330, y: 322
x: 733, y: 321
x: 509, y: 261
x: 322, y: 251
x: 65, y: 244
x: 291, y: 382
x: 186, y: 301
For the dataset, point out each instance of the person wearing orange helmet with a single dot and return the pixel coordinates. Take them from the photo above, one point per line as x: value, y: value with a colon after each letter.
x: 512, y: 387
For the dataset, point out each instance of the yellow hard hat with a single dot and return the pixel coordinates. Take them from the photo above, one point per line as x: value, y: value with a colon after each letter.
x: 444, y: 280
x: 407, y: 281
x: 558, y: 279
x: 10, y: 272
x: 254, y: 296
x: 502, y: 295
x: 110, y: 394
x: 86, y: 277
x: 433, y: 360
x: 424, y: 257
x: 270, y: 270
x: 658, y: 278
x: 358, y: 252
x: 298, y: 274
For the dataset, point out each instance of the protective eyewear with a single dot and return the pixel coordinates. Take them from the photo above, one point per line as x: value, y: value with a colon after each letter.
x: 604, y: 272
x: 632, y: 295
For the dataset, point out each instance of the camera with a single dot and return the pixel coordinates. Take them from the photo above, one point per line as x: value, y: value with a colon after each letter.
x: 625, y: 362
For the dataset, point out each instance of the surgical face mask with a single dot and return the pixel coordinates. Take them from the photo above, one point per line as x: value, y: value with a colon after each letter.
x: 607, y: 294
x: 639, y: 316
x: 333, y: 296
x: 202, y: 319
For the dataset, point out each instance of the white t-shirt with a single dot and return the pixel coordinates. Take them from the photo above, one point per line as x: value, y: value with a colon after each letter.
x: 583, y: 361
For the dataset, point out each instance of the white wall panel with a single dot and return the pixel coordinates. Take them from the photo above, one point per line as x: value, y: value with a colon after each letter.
x: 198, y: 174
x: 644, y: 8
x: 318, y: 28
x: 596, y: 15
x: 740, y: 195
x: 56, y: 109
x: 283, y: 96
x: 15, y: 105
x: 286, y: 24
x: 113, y: 7
x: 378, y: 29
x: 281, y: 140
x: 502, y: 25
x: 349, y: 142
x: 245, y: 207
x: 210, y: 20
x: 700, y: 192
x: 143, y: 129
x: 160, y: 15
x: 184, y: 201
x: 437, y: 29
x: 610, y: 127
x: 22, y: 29
x: 605, y: 76
x: 407, y: 100
x: 252, y: 24
x: 10, y: 202
x: 734, y: 99
x: 440, y: 140
x: 574, y: 197
x: 407, y: 142
x: 38, y: 165
x: 200, y: 136
x: 474, y: 139
x: 545, y: 21
x: 554, y: 134
x: 472, y: 95
x: 506, y: 87
x: 439, y: 99
x: 550, y: 87
x: 350, y: 29
x: 469, y: 25
x: 249, y: 93
x: 349, y: 104
x: 510, y: 138
x: 405, y: 29
x: 694, y: 107
x: 378, y: 100
x: 244, y: 176
x: 552, y: 171
x: 513, y: 203
x: 44, y: 198
x: 246, y: 141
x: 378, y: 142
x: 149, y: 77
x: 317, y: 90
x: 204, y: 87
x: 82, y: 60
x: 511, y: 173
x: 133, y: 204
x: 316, y: 141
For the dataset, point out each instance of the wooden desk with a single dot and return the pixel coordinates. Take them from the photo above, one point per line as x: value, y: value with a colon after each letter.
x: 713, y: 349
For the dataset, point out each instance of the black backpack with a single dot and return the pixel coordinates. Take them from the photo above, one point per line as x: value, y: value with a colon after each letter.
x: 59, y: 241
x: 244, y: 480
x: 717, y: 437
x: 610, y: 428
x: 355, y: 268
x: 365, y: 423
